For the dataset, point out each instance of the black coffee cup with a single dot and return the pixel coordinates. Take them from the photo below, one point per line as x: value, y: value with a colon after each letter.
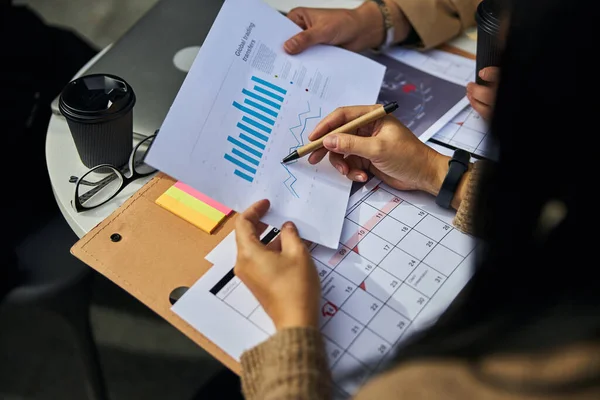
x: 99, y: 111
x: 488, y: 36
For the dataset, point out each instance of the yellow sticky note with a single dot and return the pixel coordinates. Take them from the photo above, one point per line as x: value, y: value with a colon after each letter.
x: 195, y: 204
x: 178, y: 208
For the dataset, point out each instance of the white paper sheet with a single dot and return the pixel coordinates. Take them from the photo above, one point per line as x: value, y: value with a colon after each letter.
x: 286, y: 5
x: 245, y: 104
x: 470, y: 132
x: 226, y: 252
x: 399, y: 265
x: 445, y: 65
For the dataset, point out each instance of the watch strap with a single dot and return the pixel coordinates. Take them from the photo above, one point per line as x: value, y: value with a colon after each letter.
x: 457, y: 166
x: 388, y: 25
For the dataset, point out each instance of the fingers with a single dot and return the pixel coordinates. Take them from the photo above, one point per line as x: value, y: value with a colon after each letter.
x: 490, y: 74
x: 482, y: 109
x: 297, y: 17
x: 316, y: 156
x: 337, y: 118
x: 352, y: 166
x: 275, y: 244
x: 308, y: 37
x: 291, y: 243
x: 302, y: 41
x: 367, y: 147
x: 356, y: 169
x: 246, y: 226
x: 338, y: 162
x: 483, y: 94
x: 261, y: 227
x: 255, y: 212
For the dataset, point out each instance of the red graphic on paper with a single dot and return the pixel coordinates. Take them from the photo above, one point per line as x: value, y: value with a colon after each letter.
x: 391, y: 205
x: 409, y: 87
x: 460, y: 123
x: 329, y: 309
x: 337, y: 257
x: 363, y: 286
x: 352, y: 242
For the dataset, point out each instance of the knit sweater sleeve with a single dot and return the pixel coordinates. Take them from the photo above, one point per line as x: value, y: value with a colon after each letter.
x: 292, y: 364
x: 464, y: 218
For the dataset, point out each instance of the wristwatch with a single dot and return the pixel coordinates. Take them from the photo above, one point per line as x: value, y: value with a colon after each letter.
x: 388, y: 25
x: 458, y: 165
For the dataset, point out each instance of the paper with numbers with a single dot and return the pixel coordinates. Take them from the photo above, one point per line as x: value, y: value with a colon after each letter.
x: 398, y: 266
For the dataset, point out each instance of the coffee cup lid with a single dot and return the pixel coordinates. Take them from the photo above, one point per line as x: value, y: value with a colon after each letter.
x: 96, y: 98
x: 489, y: 13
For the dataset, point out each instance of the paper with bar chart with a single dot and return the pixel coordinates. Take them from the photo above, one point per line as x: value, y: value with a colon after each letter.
x: 245, y: 104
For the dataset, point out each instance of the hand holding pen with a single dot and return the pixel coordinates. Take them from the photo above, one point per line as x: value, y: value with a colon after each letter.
x: 384, y: 147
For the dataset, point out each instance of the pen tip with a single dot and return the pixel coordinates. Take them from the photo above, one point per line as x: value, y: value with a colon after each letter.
x: 290, y: 157
x: 391, y: 107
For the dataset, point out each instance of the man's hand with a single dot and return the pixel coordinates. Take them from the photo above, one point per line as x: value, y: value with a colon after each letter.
x: 357, y: 30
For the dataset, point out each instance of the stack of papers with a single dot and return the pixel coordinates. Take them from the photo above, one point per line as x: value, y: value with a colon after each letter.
x: 193, y: 206
x: 286, y: 6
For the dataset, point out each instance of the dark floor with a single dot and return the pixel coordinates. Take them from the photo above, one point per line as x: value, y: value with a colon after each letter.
x: 143, y: 356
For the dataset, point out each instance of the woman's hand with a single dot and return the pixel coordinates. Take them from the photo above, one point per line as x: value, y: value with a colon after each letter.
x: 385, y: 147
x: 483, y: 97
x: 281, y: 275
x: 356, y: 30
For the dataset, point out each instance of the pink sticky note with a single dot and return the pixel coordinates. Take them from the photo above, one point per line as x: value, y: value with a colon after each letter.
x: 202, y: 197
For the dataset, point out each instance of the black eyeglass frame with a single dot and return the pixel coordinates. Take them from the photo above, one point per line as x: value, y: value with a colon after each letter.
x: 77, y: 202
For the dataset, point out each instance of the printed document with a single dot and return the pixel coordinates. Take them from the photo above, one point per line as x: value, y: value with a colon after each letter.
x: 399, y: 264
x: 246, y: 104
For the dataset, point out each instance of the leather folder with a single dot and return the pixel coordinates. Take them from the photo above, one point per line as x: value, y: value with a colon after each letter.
x: 150, y: 252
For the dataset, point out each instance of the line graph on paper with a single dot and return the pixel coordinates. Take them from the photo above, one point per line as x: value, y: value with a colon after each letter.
x: 299, y: 133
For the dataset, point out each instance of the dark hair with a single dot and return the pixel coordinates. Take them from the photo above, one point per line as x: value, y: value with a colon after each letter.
x: 533, y: 289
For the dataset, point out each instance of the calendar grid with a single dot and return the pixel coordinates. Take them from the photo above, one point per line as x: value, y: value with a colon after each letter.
x: 237, y: 311
x: 470, y: 132
x: 392, y: 259
x: 347, y: 251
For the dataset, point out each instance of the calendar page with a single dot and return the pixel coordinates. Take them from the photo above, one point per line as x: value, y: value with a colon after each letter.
x: 470, y: 132
x: 399, y: 265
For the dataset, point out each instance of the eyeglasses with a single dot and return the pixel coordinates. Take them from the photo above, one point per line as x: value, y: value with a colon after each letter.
x: 103, y: 182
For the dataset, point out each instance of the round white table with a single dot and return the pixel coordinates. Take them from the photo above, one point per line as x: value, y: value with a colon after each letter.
x: 63, y: 162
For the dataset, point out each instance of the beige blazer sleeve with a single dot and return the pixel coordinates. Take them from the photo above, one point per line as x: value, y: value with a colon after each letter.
x: 437, y: 21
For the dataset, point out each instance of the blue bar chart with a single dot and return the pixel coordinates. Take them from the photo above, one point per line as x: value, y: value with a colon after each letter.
x: 260, y: 107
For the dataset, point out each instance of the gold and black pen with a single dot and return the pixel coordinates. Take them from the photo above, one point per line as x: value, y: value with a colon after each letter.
x: 359, y: 122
